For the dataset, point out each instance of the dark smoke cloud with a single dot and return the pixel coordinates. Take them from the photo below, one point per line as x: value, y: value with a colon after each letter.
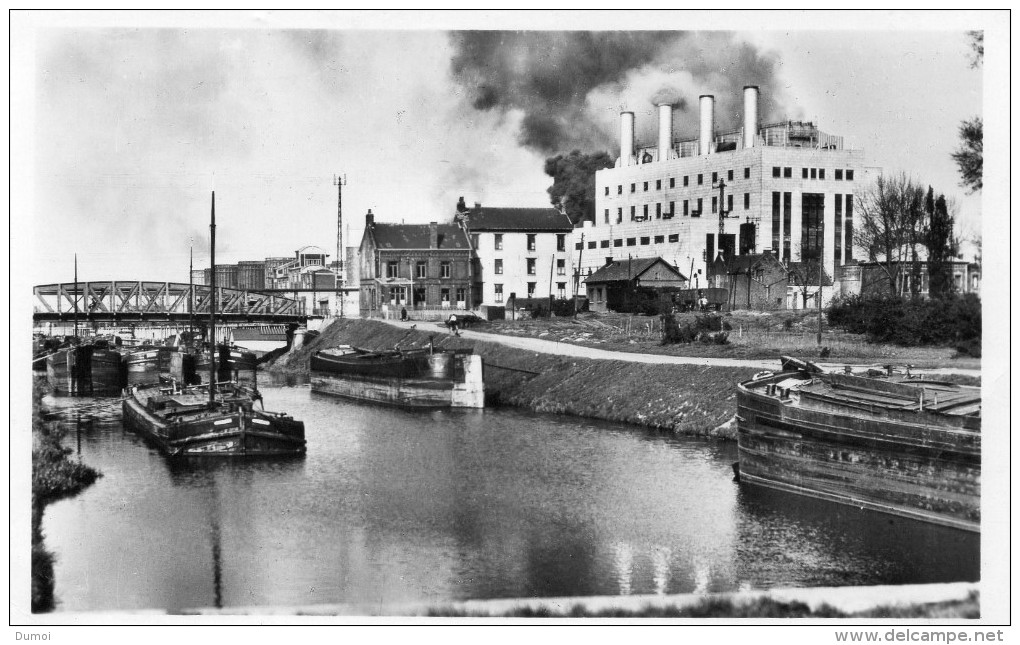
x: 568, y: 87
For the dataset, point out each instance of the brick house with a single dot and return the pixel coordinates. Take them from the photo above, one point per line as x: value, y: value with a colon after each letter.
x: 417, y: 266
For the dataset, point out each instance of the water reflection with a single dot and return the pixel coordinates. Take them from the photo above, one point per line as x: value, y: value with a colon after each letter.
x: 393, y: 506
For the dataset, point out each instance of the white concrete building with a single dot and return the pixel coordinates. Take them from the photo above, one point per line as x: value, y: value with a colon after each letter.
x: 521, y: 251
x: 786, y: 186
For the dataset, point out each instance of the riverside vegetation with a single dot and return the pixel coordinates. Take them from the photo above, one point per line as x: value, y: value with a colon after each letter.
x: 54, y: 476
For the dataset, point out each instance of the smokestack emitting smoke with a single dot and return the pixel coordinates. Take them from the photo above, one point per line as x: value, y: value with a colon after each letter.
x: 626, y: 138
x: 707, y: 124
x: 750, y: 115
x: 567, y: 87
x: 665, y: 131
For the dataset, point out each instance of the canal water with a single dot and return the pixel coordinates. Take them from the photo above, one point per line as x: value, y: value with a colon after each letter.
x: 393, y: 506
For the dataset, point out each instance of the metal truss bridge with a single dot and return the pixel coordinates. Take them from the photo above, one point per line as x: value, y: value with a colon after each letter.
x: 176, y: 302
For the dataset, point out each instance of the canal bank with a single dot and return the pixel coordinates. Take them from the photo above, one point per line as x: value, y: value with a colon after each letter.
x: 54, y: 477
x: 697, y: 399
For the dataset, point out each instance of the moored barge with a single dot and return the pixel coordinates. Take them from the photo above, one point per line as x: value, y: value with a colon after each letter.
x: 909, y: 446
x: 418, y: 378
x: 187, y: 422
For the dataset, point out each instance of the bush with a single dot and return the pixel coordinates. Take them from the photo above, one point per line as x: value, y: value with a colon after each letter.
x: 953, y: 320
x: 673, y: 333
x: 709, y: 322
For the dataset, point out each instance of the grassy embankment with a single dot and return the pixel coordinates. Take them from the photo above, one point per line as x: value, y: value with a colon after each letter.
x: 685, y: 399
x: 752, y: 335
x: 54, y: 476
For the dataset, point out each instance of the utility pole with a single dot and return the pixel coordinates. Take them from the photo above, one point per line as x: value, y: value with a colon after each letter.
x: 820, y: 265
x: 723, y: 214
x: 339, y: 181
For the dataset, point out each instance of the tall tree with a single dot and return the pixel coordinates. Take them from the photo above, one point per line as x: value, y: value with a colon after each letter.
x: 573, y: 188
x: 940, y: 243
x: 889, y: 219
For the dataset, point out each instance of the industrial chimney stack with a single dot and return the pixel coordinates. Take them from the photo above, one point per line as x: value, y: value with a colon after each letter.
x: 750, y: 115
x: 626, y: 138
x: 665, y: 131
x: 707, y: 124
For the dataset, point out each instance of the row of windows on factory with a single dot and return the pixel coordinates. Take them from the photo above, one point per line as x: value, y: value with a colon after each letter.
x: 669, y: 214
x: 631, y: 241
x: 777, y: 171
x: 532, y: 242
x: 672, y: 182
x: 530, y: 266
x: 561, y: 290
x: 786, y: 172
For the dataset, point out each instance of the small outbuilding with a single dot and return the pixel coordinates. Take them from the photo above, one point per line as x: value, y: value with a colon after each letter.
x: 754, y: 281
x: 607, y: 288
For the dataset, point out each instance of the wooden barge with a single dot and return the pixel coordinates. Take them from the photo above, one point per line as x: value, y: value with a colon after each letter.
x: 904, y: 445
x: 187, y: 422
x: 85, y: 370
x: 412, y: 378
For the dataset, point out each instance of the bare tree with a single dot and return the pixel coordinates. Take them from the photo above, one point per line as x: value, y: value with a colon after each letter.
x: 890, y: 224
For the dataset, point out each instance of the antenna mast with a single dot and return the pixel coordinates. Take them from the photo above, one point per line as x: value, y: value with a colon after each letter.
x: 339, y: 181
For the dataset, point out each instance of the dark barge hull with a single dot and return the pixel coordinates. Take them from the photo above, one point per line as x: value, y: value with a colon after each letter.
x: 85, y: 370
x: 416, y: 381
x: 225, y: 434
x: 913, y: 463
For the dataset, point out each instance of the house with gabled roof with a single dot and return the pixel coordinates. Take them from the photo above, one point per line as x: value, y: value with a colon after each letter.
x: 753, y: 281
x: 414, y: 266
x: 607, y: 287
x: 519, y: 251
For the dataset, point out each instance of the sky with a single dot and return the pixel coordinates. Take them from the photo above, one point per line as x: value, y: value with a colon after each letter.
x: 134, y: 124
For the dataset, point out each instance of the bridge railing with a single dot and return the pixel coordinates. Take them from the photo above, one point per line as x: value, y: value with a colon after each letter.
x: 112, y: 299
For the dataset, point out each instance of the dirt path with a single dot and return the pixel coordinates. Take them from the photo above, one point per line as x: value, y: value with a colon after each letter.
x: 582, y: 351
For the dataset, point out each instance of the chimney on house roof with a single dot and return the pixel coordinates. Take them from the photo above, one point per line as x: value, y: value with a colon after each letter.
x: 433, y: 235
x: 369, y: 219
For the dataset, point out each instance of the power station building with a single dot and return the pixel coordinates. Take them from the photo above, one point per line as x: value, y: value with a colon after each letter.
x: 785, y: 187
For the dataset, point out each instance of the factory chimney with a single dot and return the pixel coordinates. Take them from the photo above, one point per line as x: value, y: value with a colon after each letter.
x: 626, y: 138
x: 665, y: 131
x: 707, y: 124
x: 750, y: 115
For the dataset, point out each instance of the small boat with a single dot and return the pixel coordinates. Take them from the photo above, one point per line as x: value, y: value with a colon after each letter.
x: 417, y: 378
x: 896, y: 443
x: 184, y: 421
